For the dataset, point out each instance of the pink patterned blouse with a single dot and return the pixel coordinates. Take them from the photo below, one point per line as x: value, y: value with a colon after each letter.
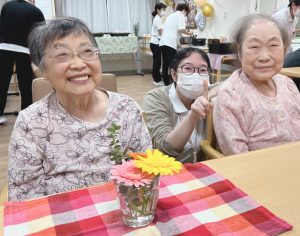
x: 52, y: 151
x: 245, y: 119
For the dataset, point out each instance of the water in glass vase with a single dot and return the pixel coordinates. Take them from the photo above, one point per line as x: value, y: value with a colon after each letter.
x: 138, y: 203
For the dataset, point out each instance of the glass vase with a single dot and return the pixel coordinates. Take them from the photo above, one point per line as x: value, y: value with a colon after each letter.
x: 138, y: 203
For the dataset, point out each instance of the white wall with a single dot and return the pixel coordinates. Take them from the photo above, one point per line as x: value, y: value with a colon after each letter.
x: 281, y: 3
x: 227, y: 12
x: 268, y: 6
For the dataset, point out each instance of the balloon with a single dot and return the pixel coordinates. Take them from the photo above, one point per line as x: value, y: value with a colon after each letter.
x: 168, y: 2
x: 207, y: 10
x: 199, y: 3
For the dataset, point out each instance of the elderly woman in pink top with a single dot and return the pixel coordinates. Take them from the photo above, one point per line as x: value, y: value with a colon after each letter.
x: 257, y: 107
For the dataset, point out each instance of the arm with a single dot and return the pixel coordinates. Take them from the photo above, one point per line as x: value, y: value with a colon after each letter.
x: 182, y: 132
x: 228, y: 120
x: 185, y: 31
x: 161, y: 120
x: 182, y: 27
x: 139, y: 140
x: 160, y: 26
x: 25, y: 169
x: 297, y: 30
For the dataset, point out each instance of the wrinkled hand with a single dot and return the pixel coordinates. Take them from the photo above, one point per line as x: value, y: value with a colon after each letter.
x: 201, y: 106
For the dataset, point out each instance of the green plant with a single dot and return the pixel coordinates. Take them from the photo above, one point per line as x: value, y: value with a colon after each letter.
x: 116, y: 155
x: 136, y: 28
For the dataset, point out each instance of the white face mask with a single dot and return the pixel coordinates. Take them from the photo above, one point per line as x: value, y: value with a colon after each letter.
x: 191, y: 86
x: 297, y: 13
x: 163, y: 13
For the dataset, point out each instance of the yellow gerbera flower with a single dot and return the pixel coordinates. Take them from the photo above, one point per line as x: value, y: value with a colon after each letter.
x: 157, y: 163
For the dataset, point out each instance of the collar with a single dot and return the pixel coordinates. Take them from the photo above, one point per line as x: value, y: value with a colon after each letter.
x: 290, y: 17
x: 179, y: 107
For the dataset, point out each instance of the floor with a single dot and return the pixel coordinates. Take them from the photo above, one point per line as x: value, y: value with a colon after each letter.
x: 134, y: 86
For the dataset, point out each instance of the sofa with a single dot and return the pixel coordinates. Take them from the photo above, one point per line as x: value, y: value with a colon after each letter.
x: 121, y: 54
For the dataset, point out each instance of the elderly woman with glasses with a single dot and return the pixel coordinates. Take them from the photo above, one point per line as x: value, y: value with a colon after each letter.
x: 175, y: 114
x: 63, y: 141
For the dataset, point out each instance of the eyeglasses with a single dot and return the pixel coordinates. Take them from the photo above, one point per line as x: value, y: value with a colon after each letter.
x: 188, y: 70
x: 64, y: 54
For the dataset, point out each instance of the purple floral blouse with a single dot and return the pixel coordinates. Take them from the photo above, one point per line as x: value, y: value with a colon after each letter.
x: 52, y: 151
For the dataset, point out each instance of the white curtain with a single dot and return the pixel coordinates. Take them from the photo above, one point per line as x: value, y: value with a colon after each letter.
x: 92, y: 12
x: 111, y: 15
x: 2, y: 2
x: 122, y: 14
x: 118, y: 16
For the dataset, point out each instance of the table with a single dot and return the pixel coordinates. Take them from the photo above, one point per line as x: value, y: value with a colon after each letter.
x: 257, y: 173
x: 291, y: 72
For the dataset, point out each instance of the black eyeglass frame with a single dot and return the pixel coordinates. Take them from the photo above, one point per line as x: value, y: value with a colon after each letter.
x: 209, y: 70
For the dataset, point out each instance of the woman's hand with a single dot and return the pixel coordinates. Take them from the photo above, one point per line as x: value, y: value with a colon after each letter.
x: 201, y: 106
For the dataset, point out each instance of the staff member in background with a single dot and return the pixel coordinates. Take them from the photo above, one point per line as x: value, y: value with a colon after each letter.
x: 173, y: 27
x: 17, y: 18
x: 156, y: 32
x: 288, y: 17
x: 293, y: 60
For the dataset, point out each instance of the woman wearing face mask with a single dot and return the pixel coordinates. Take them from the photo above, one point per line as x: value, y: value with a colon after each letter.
x: 288, y: 17
x: 156, y: 32
x: 175, y: 114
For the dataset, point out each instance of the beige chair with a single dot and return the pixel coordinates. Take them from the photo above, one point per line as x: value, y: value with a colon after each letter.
x: 230, y: 62
x: 41, y: 87
x: 209, y: 145
x: 4, y: 195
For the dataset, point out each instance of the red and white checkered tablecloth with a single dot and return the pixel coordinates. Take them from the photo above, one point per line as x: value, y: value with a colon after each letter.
x: 197, y: 201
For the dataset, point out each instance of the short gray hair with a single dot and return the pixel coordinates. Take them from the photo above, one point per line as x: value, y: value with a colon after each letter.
x: 243, y: 24
x: 44, y: 34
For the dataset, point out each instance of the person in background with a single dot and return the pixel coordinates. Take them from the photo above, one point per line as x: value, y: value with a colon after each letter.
x: 63, y: 142
x: 293, y: 60
x: 256, y: 107
x: 173, y: 27
x: 288, y: 17
x: 17, y: 18
x: 175, y: 114
x: 156, y: 32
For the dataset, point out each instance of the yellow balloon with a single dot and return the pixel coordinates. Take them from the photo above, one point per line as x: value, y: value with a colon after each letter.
x: 199, y: 3
x: 168, y: 2
x: 207, y: 10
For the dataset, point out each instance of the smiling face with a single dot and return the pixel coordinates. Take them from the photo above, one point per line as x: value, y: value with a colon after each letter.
x: 262, y: 51
x: 75, y: 77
